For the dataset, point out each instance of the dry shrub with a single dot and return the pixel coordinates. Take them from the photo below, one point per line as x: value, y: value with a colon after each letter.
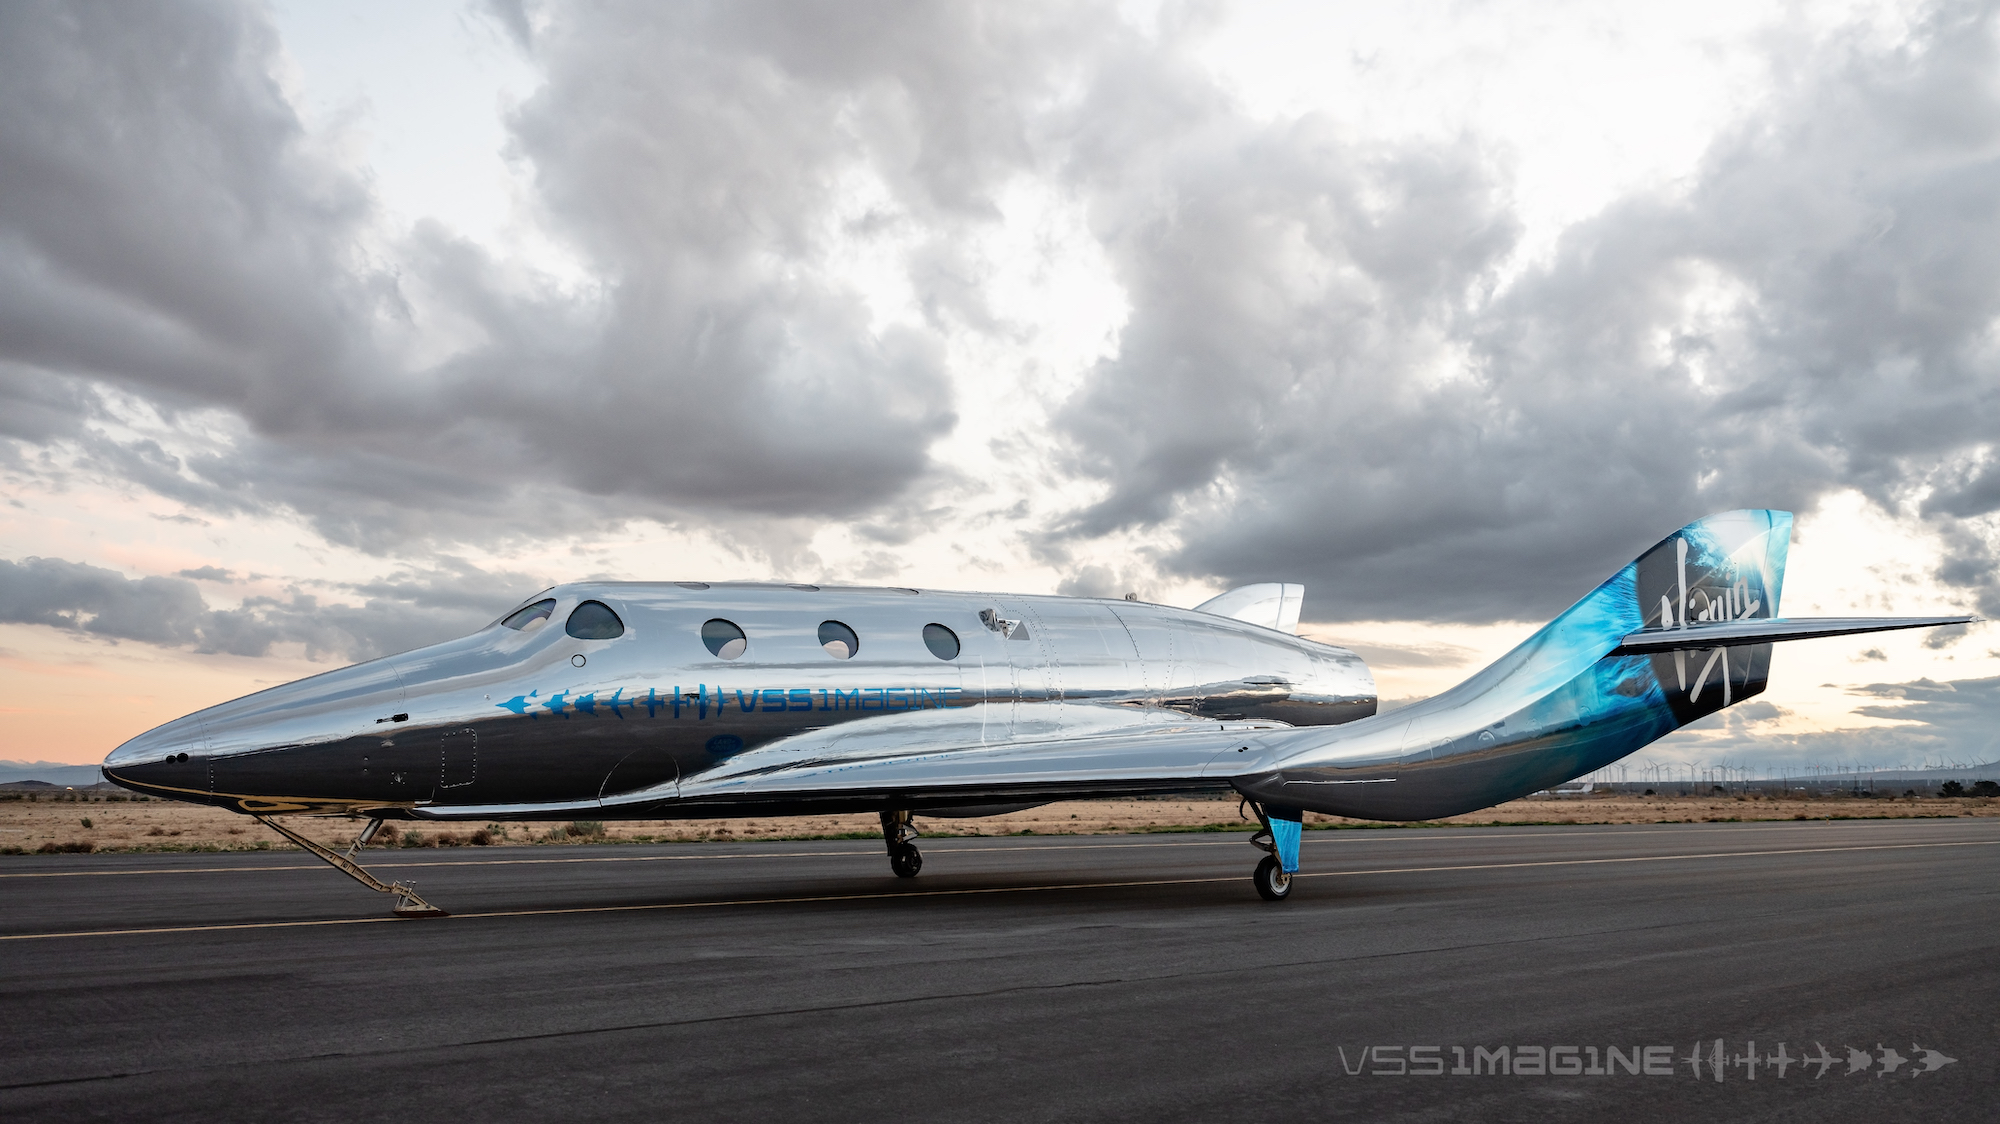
x: 157, y: 831
x: 482, y: 838
x: 388, y: 835
x: 585, y: 829
x: 446, y: 839
x: 73, y: 847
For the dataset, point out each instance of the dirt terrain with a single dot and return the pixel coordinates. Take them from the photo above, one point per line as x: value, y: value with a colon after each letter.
x: 37, y: 820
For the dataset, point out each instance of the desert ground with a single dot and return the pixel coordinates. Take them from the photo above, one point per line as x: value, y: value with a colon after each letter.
x: 46, y: 820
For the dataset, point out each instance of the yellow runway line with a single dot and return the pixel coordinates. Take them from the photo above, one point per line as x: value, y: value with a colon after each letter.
x: 1322, y: 837
x: 810, y: 899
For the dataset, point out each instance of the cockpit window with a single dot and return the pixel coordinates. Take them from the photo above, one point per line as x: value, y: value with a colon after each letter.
x: 594, y: 620
x: 529, y: 617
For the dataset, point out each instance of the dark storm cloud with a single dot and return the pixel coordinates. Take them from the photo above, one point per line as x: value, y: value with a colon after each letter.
x: 1270, y: 400
x: 158, y: 222
x: 1327, y: 373
x: 404, y: 611
x: 407, y: 610
x: 1956, y: 722
x: 1959, y: 721
x: 512, y: 16
x: 166, y: 228
x: 78, y: 597
x: 704, y: 155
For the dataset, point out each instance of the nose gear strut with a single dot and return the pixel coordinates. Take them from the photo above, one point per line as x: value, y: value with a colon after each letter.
x: 900, y: 836
x: 408, y: 904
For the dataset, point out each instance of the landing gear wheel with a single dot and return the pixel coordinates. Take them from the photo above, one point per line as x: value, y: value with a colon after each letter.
x: 1273, y: 884
x: 899, y: 834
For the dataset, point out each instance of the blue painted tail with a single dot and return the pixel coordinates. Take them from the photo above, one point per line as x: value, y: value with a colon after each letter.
x: 1563, y: 703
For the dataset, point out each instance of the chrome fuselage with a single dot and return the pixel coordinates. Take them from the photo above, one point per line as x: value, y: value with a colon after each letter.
x: 521, y: 724
x: 645, y: 701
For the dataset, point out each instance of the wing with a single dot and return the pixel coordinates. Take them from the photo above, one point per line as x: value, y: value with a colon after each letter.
x: 940, y: 758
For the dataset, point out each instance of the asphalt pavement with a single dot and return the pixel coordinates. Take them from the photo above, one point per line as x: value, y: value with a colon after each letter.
x: 1835, y: 971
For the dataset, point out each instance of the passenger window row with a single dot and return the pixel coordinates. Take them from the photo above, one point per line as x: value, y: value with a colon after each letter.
x: 594, y: 620
x: 725, y: 640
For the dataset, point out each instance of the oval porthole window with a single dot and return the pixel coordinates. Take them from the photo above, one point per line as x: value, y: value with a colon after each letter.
x: 723, y: 638
x: 594, y: 620
x: 942, y: 641
x: 838, y: 640
x: 529, y: 617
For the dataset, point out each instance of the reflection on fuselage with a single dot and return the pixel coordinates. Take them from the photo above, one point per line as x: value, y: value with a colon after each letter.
x: 524, y: 712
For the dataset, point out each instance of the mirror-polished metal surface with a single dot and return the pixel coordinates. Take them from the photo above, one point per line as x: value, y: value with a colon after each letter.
x: 678, y: 699
x: 677, y: 708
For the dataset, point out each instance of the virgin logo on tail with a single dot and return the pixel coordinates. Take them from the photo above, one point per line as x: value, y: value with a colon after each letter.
x: 1735, y: 603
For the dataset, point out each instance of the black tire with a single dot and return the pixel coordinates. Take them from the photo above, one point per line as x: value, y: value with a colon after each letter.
x: 906, y: 861
x: 1273, y: 884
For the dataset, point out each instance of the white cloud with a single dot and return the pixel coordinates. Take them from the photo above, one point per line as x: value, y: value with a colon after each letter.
x: 1445, y: 309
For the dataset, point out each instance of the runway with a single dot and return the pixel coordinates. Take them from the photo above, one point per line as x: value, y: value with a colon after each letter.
x: 1047, y: 978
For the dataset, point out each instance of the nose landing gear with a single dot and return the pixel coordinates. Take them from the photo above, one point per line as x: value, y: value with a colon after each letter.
x: 408, y: 904
x: 899, y: 834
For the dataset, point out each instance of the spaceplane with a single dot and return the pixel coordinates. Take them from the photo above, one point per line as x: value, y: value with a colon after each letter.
x: 676, y: 700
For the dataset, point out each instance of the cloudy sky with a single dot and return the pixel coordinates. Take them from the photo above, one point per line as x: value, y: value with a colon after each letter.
x: 327, y: 330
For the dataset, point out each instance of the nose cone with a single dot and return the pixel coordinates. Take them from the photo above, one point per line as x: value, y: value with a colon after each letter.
x: 182, y: 735
x: 170, y: 757
x: 200, y: 757
x: 291, y: 741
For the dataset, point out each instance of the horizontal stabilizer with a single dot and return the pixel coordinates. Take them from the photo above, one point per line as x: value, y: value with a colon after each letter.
x: 1717, y: 634
x: 1271, y: 604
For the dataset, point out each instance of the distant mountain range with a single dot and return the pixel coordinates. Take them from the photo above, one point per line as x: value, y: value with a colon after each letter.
x: 49, y: 772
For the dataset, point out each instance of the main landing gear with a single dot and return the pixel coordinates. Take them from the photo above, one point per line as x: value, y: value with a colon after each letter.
x: 1279, y: 836
x: 1273, y: 884
x: 900, y: 835
x: 408, y: 904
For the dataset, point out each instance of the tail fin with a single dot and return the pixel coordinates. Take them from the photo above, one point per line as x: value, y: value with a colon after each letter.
x: 1725, y: 567
x: 1678, y: 634
x: 1728, y: 567
x: 1271, y: 604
